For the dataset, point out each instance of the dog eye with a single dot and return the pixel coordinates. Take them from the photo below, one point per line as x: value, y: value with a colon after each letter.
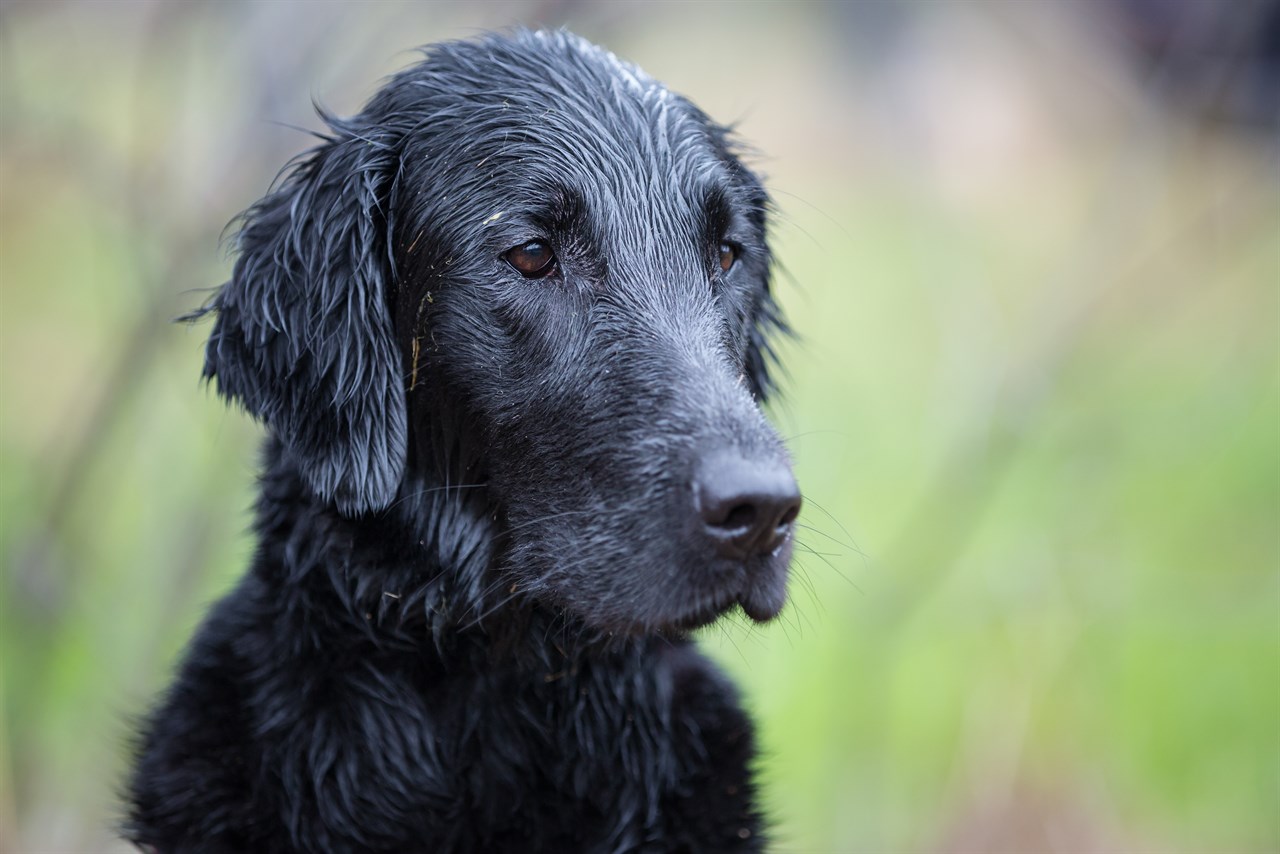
x: 728, y: 257
x: 533, y: 260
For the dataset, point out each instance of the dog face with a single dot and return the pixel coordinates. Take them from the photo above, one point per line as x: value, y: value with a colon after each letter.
x: 528, y: 265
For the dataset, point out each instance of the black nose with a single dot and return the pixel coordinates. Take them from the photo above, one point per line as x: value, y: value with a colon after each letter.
x: 747, y: 506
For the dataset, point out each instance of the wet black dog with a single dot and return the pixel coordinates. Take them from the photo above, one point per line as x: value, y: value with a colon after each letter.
x: 507, y: 330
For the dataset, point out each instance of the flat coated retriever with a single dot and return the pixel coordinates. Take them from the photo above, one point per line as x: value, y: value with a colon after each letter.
x: 508, y: 331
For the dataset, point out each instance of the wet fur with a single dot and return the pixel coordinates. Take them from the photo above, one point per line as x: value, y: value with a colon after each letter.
x: 465, y: 625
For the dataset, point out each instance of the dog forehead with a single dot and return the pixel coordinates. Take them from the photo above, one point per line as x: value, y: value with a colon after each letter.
x: 544, y: 61
x: 545, y: 98
x: 503, y: 125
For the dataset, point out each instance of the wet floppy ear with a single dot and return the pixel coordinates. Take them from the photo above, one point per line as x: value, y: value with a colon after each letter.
x: 303, y: 337
x: 766, y: 323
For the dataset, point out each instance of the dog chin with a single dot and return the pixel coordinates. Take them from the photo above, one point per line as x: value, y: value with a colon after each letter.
x: 759, y: 609
x: 762, y: 597
x: 765, y: 593
x: 758, y: 586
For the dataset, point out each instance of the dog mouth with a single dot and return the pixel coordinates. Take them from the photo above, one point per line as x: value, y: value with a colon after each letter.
x: 759, y: 611
x: 757, y: 587
x: 686, y: 568
x: 760, y: 591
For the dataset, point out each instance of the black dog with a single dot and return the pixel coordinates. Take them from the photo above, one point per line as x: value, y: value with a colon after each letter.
x: 507, y: 330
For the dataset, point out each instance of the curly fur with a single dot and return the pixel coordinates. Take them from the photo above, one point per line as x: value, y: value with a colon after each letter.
x: 465, y: 627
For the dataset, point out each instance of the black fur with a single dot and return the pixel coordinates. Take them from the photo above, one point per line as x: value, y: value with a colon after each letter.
x: 465, y: 627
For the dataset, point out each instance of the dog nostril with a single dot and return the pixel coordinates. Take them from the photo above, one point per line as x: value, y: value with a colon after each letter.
x: 741, y: 516
x: 746, y: 506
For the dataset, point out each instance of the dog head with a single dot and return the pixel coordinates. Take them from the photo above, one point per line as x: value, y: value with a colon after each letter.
x: 527, y: 264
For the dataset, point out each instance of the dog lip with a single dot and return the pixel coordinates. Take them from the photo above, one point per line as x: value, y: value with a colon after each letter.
x: 762, y: 609
x: 765, y: 591
x: 759, y: 589
x: 704, y: 615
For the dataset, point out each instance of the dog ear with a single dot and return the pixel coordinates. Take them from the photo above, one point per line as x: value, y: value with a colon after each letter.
x: 762, y: 359
x: 303, y: 337
x: 766, y: 323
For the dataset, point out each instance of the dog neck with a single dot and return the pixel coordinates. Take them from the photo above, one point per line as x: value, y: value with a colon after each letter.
x: 420, y: 577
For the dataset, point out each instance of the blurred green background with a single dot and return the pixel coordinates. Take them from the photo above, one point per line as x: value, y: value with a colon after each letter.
x: 1033, y: 255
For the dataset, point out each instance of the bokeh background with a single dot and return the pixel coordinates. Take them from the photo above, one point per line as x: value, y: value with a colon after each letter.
x: 1032, y: 252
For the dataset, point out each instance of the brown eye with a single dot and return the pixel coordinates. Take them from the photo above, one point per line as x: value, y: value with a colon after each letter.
x: 728, y: 256
x: 533, y: 260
